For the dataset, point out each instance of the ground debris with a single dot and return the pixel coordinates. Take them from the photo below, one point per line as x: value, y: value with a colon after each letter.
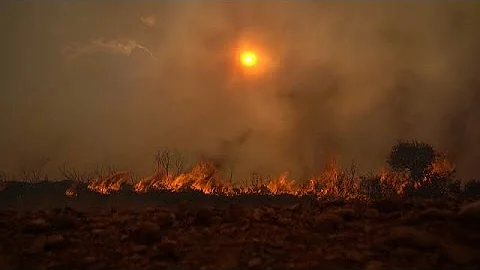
x: 336, y: 235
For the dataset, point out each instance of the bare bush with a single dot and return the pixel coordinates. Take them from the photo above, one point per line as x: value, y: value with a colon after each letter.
x: 70, y: 173
x: 36, y: 173
x: 167, y: 158
x: 258, y: 183
x: 179, y: 162
x: 99, y: 172
x: 3, y: 180
x: 407, y: 161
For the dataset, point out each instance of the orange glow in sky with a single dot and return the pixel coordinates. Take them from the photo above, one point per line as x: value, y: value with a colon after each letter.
x: 248, y: 58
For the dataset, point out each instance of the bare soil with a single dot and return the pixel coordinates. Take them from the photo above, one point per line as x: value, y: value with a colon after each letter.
x: 230, y: 233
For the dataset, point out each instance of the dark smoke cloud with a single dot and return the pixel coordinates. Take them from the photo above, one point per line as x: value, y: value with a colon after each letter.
x: 344, y: 80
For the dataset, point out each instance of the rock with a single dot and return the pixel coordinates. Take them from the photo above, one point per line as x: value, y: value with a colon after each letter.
x: 38, y: 245
x: 389, y: 205
x: 258, y: 214
x: 371, y: 213
x: 328, y: 223
x: 164, y: 220
x: 63, y: 222
x: 139, y: 248
x: 5, y: 262
x: 181, y: 212
x: 99, y: 232
x: 303, y: 238
x: 332, y: 203
x: 410, y: 237
x: 434, y: 214
x: 37, y: 225
x: 470, y: 211
x: 282, y: 221
x: 394, y: 215
x: 203, y: 217
x: 255, y: 262
x: 166, y: 251
x: 295, y: 207
x: 146, y: 233
x: 229, y: 260
x: 90, y: 260
x: 405, y: 252
x: 216, y: 220
x: 55, y: 241
x: 74, y: 212
x: 458, y: 254
x: 355, y: 255
x: 270, y: 211
x: 374, y: 265
x: 234, y: 213
x: 345, y: 213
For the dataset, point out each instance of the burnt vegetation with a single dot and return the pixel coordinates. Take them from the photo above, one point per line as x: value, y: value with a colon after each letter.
x: 414, y: 170
x: 181, y: 217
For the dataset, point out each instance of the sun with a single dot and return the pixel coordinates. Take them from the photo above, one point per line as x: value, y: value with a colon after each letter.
x: 248, y: 58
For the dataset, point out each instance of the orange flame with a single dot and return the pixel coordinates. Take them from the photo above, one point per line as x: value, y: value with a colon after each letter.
x: 205, y: 177
x: 71, y: 192
x: 283, y: 186
x: 113, y: 182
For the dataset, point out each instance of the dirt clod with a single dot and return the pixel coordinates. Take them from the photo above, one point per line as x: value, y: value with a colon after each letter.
x: 313, y: 235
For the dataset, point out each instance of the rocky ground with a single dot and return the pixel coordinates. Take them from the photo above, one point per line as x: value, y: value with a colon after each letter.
x: 385, y: 234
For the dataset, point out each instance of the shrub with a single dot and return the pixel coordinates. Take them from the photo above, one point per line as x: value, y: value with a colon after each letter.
x: 371, y: 187
x: 413, y: 156
x: 395, y: 183
x: 434, y: 186
x: 472, y: 188
x: 438, y: 180
x: 429, y: 174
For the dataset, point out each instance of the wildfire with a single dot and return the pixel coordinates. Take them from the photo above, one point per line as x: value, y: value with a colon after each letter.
x: 283, y: 186
x: 205, y: 177
x: 71, y: 192
x: 398, y: 181
x: 442, y: 166
x: 107, y: 184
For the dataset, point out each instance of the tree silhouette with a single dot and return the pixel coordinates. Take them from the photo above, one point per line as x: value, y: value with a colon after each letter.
x: 412, y: 155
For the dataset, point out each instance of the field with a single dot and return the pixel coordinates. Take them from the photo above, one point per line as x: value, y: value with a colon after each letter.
x: 42, y: 228
x: 398, y: 219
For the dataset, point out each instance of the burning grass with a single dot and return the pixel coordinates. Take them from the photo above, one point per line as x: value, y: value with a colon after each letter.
x: 333, y: 182
x: 433, y: 178
x: 199, y: 216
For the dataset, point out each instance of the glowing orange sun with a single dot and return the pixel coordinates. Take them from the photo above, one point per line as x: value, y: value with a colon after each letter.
x: 248, y: 58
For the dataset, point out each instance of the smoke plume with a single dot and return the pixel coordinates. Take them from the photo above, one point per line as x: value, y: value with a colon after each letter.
x: 342, y: 80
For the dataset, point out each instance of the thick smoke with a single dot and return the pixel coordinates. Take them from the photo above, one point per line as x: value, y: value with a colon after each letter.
x: 111, y: 83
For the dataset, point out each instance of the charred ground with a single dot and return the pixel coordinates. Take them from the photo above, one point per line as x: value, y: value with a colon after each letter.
x: 413, y: 215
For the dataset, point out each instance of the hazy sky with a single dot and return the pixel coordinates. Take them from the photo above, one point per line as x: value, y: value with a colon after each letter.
x: 110, y: 83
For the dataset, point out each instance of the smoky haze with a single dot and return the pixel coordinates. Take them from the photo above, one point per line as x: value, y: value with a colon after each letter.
x: 110, y: 83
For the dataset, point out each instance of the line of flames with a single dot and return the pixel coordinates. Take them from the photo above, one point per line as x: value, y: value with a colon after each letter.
x: 204, y: 177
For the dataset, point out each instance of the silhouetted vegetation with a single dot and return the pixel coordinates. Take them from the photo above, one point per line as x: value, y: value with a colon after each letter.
x: 472, y: 188
x: 371, y: 187
x: 415, y: 169
x: 413, y: 156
